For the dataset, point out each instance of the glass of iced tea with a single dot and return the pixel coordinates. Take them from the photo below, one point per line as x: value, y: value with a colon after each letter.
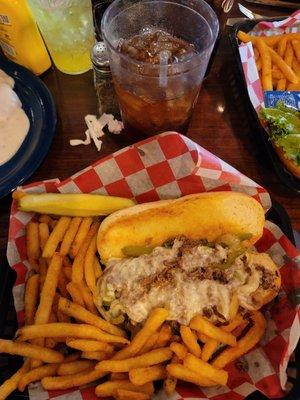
x: 159, y: 51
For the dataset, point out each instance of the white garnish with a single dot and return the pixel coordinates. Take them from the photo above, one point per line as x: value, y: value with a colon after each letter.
x: 95, y: 129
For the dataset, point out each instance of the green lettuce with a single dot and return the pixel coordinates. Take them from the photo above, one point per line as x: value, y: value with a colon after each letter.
x: 284, y: 129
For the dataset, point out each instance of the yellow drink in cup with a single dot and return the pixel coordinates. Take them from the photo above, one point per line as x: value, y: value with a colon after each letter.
x: 67, y: 29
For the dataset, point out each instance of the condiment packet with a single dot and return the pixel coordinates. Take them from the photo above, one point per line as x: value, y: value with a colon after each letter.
x: 169, y: 166
x: 290, y: 99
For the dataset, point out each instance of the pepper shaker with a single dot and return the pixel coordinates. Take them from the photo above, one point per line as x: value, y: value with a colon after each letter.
x: 107, y: 99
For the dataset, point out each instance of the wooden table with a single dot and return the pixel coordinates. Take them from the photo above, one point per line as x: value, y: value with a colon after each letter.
x: 220, y: 123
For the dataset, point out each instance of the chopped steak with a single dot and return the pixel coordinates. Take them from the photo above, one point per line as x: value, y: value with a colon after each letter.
x: 187, y: 277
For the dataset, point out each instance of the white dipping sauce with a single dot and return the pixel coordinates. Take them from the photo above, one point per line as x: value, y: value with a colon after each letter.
x: 14, y: 123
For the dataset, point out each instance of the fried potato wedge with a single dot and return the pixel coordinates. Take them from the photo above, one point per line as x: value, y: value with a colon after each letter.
x: 197, y: 216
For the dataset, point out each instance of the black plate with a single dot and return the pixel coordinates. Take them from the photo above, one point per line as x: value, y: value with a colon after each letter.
x: 285, y: 176
x: 8, y: 320
x: 39, y: 107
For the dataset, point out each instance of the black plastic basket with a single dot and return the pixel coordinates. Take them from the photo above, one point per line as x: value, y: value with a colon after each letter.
x: 285, y: 176
x: 8, y: 321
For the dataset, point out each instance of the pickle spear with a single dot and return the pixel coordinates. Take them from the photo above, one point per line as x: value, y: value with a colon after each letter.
x: 77, y: 205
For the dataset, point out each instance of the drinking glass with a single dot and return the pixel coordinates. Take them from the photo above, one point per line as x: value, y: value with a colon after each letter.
x: 158, y: 97
x: 68, y: 31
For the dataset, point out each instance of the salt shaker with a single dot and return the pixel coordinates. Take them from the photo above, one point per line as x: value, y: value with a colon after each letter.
x: 103, y: 81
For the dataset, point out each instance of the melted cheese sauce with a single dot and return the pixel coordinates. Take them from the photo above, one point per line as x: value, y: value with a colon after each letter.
x: 124, y: 284
x: 14, y: 123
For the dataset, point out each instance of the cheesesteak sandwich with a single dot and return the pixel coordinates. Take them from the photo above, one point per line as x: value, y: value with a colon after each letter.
x: 190, y: 255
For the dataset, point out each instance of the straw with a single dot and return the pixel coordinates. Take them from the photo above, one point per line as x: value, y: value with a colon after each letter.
x: 163, y: 70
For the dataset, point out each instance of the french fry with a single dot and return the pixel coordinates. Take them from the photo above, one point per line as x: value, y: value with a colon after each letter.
x: 246, y: 343
x: 30, y: 350
x: 89, y: 345
x: 78, y: 265
x: 48, y: 292
x: 31, y: 298
x: 46, y: 219
x: 123, y: 394
x: 11, y: 384
x: 202, y: 337
x: 18, y: 194
x: 234, y: 306
x: 37, y: 374
x: 258, y: 64
x: 277, y: 74
x: 153, y: 357
x: 234, y: 323
x: 180, y: 372
x: 202, y: 368
x: 179, y: 349
x: 203, y: 325
x: 62, y: 284
x: 75, y: 293
x: 56, y: 236
x: 80, y: 235
x: 107, y: 389
x: 46, y: 299
x: 266, y: 65
x: 211, y: 345
x: 140, y: 376
x: 70, y: 381
x: 269, y: 40
x: 95, y: 355
x: 283, y: 66
x: 80, y: 313
x: 89, y: 268
x: 282, y: 46
x: 209, y: 348
x: 152, y: 324
x: 88, y: 298
x: 164, y: 336
x: 70, y: 235
x: 170, y: 382
x: 118, y: 376
x: 74, y: 367
x: 32, y: 240
x: 43, y: 234
x: 149, y: 345
x: 68, y: 273
x: 190, y: 340
x: 296, y: 47
x: 288, y: 58
x: 294, y: 87
x: 43, y: 267
x: 296, y: 67
x: 51, y: 342
x: 72, y: 357
x: 97, y: 267
x: 61, y: 329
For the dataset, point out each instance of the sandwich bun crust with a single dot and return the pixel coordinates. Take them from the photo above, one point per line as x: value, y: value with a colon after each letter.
x: 197, y: 216
x: 290, y: 165
x: 264, y: 295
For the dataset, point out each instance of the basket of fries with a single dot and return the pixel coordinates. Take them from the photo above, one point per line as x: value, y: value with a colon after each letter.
x: 268, y: 56
x: 74, y: 346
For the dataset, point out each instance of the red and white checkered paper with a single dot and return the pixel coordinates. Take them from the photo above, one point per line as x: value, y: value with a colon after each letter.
x: 265, y: 28
x: 168, y: 166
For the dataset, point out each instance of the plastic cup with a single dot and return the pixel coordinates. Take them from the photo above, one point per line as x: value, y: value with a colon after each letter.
x: 156, y: 98
x: 68, y: 31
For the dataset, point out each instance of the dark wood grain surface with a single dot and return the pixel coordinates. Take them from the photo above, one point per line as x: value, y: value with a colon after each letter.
x: 221, y: 123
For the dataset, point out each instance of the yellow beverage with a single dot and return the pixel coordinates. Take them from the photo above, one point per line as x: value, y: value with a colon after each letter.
x: 20, y: 39
x: 67, y: 28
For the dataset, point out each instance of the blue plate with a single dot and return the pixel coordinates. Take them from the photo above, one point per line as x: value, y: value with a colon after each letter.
x: 38, y: 104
